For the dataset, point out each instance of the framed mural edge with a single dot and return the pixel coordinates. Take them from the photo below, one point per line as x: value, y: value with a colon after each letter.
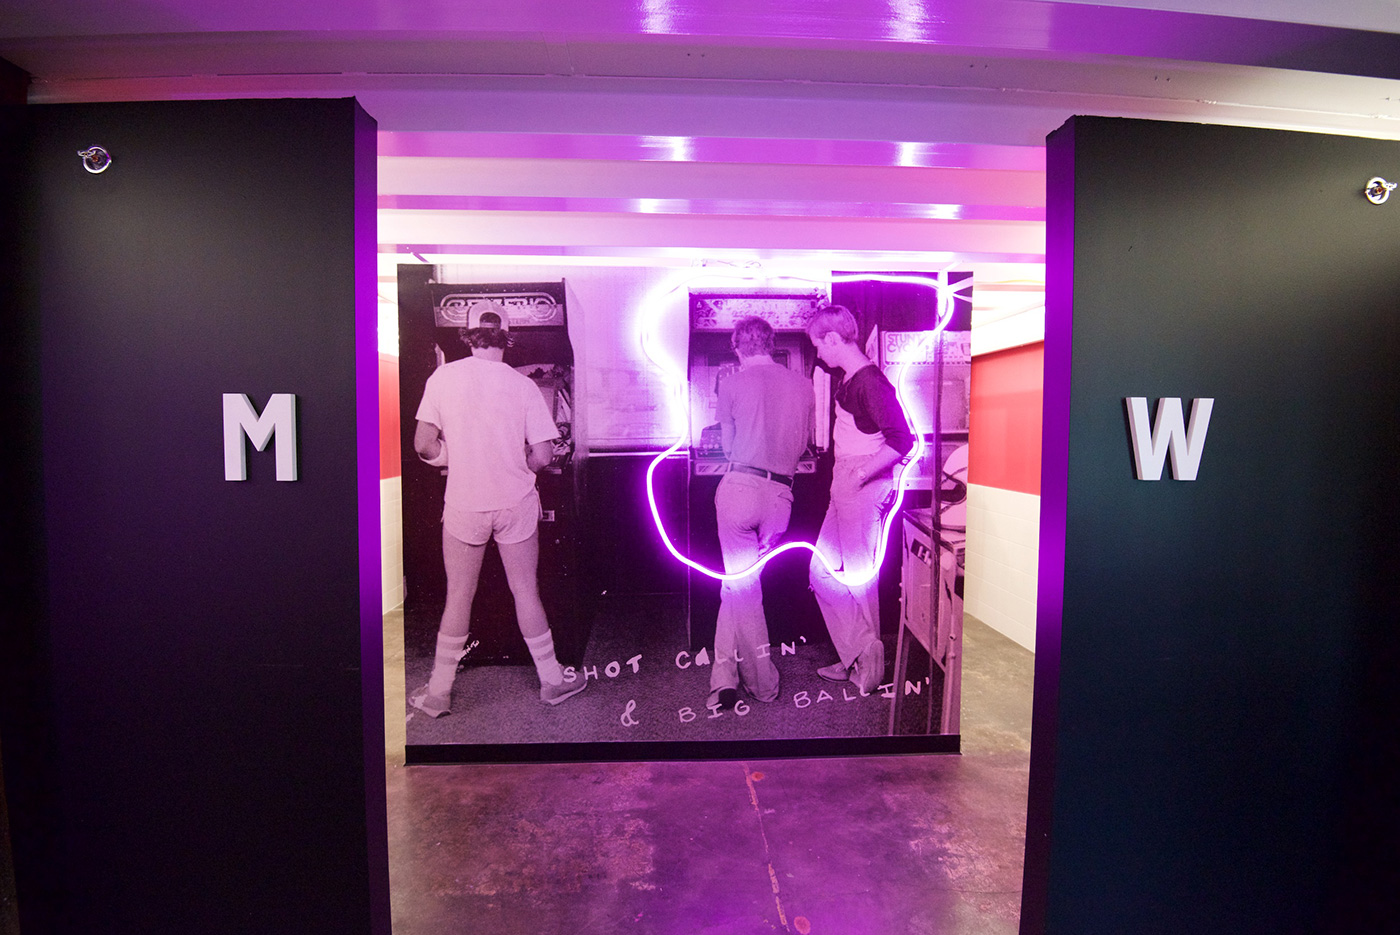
x: 592, y: 627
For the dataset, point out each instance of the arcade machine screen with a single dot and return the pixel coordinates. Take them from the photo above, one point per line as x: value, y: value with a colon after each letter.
x: 707, y: 372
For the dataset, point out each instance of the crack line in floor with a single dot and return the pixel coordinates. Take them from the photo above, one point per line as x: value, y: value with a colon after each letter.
x: 749, y: 778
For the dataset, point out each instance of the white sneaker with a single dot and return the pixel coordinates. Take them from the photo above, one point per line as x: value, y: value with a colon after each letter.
x: 430, y: 704
x: 553, y: 694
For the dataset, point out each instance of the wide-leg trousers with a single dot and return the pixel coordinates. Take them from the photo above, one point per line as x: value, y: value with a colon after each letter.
x: 849, y: 537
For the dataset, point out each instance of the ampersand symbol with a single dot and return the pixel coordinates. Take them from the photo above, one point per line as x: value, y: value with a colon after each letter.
x: 627, y: 719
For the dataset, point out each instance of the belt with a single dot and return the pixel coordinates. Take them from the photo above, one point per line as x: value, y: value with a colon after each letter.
x: 750, y: 469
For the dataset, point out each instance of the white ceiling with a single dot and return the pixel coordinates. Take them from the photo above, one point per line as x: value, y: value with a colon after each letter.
x: 885, y: 132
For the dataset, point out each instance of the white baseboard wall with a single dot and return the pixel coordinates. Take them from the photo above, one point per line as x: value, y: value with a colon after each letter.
x: 1003, y: 549
x: 391, y: 540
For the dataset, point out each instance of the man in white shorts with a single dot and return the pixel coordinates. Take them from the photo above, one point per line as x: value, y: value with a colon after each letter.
x: 490, y: 426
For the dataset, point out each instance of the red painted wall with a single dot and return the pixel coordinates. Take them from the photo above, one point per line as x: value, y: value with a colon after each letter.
x: 1004, y: 437
x: 389, y: 462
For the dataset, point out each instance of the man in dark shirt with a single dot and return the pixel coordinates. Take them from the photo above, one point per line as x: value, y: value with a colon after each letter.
x: 871, y: 436
x: 765, y: 418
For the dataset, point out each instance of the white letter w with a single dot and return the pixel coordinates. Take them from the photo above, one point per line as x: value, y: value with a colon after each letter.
x: 1151, y: 442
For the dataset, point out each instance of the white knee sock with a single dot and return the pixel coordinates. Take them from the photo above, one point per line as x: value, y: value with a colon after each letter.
x: 542, y: 648
x: 449, y: 653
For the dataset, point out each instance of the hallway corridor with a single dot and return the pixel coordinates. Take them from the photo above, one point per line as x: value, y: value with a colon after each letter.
x: 888, y: 845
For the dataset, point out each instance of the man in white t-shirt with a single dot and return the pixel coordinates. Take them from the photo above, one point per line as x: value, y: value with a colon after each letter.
x: 490, y: 426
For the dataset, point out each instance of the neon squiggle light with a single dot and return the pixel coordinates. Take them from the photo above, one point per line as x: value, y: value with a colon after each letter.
x: 678, y: 383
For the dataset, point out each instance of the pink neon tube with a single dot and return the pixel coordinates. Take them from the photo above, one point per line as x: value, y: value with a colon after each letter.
x: 676, y: 378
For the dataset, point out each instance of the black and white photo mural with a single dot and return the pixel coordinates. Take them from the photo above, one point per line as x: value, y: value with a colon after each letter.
x: 655, y: 512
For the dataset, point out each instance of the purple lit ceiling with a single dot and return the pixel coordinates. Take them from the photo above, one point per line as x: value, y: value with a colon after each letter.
x: 1234, y: 34
x: 900, y: 131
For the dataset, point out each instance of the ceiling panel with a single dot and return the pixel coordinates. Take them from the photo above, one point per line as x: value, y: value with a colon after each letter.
x: 619, y: 179
x: 972, y: 238
x: 1025, y: 27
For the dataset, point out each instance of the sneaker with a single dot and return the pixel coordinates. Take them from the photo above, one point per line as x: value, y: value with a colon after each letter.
x: 722, y: 698
x: 869, y: 669
x: 553, y: 694
x: 430, y: 704
x: 835, y: 672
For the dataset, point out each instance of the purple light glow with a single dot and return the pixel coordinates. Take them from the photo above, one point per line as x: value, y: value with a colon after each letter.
x: 366, y: 363
x: 1054, y: 521
x: 765, y: 151
x: 1031, y: 27
x: 746, y: 207
x: 676, y: 379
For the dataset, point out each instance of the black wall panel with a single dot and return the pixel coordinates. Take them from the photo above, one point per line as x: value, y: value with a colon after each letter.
x: 1216, y: 668
x: 14, y: 84
x: 189, y: 751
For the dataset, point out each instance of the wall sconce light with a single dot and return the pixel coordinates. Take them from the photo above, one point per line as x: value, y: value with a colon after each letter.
x: 95, y: 159
x: 1378, y: 190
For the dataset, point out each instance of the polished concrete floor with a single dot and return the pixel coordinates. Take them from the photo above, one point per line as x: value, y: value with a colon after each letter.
x: 887, y: 845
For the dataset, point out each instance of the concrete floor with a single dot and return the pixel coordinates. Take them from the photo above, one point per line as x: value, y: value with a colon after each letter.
x: 888, y: 845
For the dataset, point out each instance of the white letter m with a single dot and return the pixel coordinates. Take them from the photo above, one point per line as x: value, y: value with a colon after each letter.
x: 1152, y: 442
x: 279, y: 419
